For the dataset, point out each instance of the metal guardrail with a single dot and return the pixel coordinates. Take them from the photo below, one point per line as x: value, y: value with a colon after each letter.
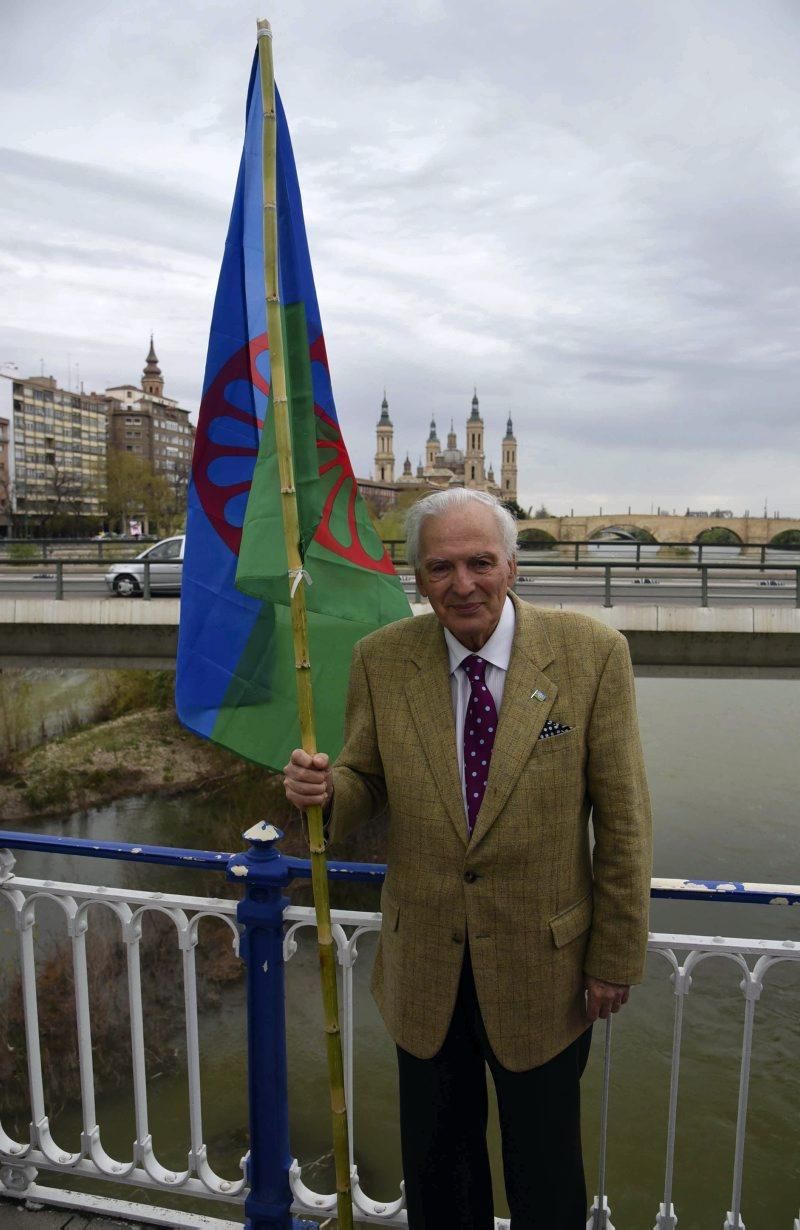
x: 264, y: 931
x: 396, y: 548
x: 44, y: 549
x: 121, y: 549
x: 620, y: 567
x: 611, y: 569
x: 59, y: 565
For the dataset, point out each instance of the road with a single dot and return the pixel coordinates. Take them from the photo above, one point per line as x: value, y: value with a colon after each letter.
x: 680, y: 588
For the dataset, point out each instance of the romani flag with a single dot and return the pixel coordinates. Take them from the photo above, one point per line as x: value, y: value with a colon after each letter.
x: 235, y: 669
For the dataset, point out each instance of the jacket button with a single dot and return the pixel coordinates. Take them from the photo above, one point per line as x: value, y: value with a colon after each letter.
x: 470, y: 876
x: 457, y: 937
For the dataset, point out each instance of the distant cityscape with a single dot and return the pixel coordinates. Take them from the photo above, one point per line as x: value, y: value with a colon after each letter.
x: 55, y: 443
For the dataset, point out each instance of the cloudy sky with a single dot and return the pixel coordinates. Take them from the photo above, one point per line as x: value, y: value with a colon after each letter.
x: 590, y: 209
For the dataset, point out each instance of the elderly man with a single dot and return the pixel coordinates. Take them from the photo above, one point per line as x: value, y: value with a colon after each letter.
x: 491, y: 732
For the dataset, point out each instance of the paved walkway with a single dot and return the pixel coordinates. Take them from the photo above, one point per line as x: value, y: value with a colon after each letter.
x: 15, y: 1216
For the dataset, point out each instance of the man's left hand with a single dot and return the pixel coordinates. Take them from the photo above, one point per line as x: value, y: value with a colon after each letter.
x: 602, y: 998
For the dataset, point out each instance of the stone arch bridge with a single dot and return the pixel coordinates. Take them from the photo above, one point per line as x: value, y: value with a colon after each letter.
x: 752, y: 531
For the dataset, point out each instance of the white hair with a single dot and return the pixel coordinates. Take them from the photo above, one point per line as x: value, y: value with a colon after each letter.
x: 457, y: 497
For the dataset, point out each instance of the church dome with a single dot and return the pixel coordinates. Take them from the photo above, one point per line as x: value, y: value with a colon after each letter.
x: 452, y: 457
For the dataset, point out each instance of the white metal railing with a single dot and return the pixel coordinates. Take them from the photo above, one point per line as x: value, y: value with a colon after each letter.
x: 754, y: 958
x: 19, y: 1161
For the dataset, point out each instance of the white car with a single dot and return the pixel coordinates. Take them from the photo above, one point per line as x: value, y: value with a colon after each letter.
x: 165, y: 560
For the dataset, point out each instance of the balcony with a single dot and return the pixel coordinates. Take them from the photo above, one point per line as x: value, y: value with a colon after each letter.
x: 754, y: 978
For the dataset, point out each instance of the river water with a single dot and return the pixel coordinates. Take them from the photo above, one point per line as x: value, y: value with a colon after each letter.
x: 724, y: 770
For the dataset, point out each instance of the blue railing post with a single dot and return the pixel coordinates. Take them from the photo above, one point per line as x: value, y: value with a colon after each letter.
x: 264, y: 873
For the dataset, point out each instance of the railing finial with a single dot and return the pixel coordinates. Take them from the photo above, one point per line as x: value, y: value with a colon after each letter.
x: 7, y: 862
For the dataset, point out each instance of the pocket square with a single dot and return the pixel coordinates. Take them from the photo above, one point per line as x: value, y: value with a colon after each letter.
x: 551, y: 728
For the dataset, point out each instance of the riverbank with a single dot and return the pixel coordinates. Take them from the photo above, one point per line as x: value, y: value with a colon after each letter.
x: 145, y: 752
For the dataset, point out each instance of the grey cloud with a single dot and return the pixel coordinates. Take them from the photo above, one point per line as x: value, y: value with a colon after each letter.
x: 116, y: 205
x: 588, y: 210
x: 616, y: 377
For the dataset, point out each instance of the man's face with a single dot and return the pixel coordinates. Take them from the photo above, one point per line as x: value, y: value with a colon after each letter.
x: 464, y: 571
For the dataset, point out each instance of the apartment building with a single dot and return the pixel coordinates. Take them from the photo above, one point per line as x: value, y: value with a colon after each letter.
x: 143, y: 421
x: 55, y: 451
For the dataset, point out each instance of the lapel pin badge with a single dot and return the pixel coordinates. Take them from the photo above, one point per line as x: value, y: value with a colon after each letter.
x: 538, y: 695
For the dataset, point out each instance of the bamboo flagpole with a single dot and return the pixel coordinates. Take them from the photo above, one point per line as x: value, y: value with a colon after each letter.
x: 305, y: 699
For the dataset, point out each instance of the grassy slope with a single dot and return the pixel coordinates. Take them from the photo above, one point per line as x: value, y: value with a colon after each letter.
x: 145, y: 752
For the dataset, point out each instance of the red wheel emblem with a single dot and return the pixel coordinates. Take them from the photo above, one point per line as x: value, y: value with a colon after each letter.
x: 229, y: 429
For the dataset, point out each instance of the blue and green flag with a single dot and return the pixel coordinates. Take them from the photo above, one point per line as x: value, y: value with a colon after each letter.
x: 235, y: 669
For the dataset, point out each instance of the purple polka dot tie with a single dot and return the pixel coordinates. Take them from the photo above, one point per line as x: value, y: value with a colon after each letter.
x: 480, y: 725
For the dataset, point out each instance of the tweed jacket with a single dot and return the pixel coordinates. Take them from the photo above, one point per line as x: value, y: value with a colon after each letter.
x: 538, y: 906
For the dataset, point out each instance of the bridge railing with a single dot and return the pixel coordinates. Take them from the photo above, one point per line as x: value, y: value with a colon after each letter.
x: 264, y: 930
x: 118, y: 547
x: 634, y: 552
x: 708, y: 574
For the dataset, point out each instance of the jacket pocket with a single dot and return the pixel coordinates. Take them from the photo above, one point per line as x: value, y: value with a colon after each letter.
x: 572, y: 922
x: 554, y: 744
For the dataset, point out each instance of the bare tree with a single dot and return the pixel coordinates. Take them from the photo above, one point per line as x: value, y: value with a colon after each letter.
x: 62, y: 498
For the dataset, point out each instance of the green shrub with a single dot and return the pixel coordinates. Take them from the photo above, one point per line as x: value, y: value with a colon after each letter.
x: 787, y: 540
x: 137, y: 689
x: 534, y: 537
x: 23, y: 551
x: 719, y: 536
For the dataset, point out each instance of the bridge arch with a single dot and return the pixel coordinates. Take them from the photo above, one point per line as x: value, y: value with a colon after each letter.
x: 623, y: 533
x: 719, y: 536
x: 787, y: 540
x: 537, y: 538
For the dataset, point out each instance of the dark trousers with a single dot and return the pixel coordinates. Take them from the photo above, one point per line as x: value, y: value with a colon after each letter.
x: 443, y: 1114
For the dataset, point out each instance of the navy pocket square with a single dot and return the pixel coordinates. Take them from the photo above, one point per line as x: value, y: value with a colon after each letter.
x: 551, y: 728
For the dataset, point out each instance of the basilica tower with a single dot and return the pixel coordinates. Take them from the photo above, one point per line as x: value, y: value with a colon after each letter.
x: 432, y: 447
x: 384, y: 455
x: 473, y: 454
x: 508, y: 469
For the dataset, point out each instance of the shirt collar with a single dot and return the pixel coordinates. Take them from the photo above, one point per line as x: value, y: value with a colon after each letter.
x: 497, y: 649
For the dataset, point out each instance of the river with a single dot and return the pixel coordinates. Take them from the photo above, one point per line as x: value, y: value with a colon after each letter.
x: 724, y: 769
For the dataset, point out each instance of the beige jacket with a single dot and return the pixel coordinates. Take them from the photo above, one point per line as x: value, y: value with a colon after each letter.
x: 539, y: 910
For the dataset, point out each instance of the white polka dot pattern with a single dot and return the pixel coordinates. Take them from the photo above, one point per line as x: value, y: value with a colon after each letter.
x: 480, y: 702
x: 551, y: 728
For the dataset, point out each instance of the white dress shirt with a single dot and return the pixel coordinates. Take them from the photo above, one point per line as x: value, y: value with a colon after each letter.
x: 496, y: 653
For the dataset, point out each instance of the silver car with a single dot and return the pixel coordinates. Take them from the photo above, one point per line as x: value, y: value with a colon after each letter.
x: 165, y: 560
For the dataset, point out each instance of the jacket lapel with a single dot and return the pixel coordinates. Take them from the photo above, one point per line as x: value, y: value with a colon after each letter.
x: 430, y: 700
x: 528, y: 697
